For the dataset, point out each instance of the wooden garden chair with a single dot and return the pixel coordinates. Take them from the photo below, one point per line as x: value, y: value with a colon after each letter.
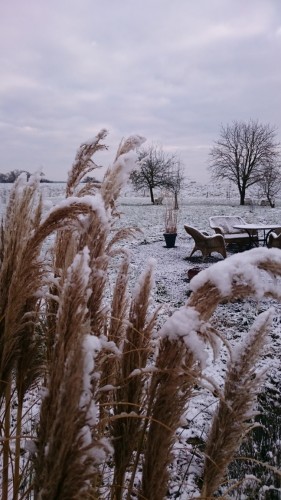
x: 206, y: 243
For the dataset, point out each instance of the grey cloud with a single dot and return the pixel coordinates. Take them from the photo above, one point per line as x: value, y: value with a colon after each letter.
x: 171, y: 71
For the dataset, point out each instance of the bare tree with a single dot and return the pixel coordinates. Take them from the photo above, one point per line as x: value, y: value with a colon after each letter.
x: 243, y: 152
x: 176, y: 183
x: 270, y: 183
x: 156, y: 170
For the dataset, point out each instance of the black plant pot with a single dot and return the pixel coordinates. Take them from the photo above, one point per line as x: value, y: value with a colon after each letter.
x: 170, y: 239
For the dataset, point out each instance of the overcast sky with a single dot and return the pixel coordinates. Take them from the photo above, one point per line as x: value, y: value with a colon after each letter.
x: 170, y: 70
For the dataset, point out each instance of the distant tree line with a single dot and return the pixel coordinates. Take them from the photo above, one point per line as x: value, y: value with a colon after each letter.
x: 11, y: 176
x: 90, y: 179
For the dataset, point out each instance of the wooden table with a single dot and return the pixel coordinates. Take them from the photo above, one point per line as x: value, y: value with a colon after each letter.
x: 266, y: 228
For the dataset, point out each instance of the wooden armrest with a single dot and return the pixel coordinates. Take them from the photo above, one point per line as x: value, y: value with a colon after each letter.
x: 218, y: 230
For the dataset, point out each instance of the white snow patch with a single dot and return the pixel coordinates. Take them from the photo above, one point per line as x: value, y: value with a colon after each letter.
x: 94, y: 203
x: 185, y: 324
x: 241, y: 267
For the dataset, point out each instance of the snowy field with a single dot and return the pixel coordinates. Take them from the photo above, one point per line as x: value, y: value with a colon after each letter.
x: 171, y: 291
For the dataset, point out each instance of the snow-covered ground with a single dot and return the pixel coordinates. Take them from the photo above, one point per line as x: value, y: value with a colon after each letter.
x: 172, y: 288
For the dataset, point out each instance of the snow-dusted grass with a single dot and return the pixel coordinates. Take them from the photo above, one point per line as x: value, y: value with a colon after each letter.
x: 172, y: 289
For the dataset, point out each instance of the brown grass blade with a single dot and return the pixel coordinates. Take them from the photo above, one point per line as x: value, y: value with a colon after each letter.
x: 235, y: 410
x: 83, y: 163
x: 130, y: 392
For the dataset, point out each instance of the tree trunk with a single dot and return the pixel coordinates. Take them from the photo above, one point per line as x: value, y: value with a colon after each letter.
x: 242, y: 195
x: 176, y: 201
x: 151, y: 194
x: 270, y: 200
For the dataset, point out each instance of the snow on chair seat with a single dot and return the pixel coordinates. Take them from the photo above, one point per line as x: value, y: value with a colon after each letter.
x: 223, y: 224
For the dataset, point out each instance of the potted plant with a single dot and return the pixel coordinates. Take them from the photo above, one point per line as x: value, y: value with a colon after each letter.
x: 170, y: 227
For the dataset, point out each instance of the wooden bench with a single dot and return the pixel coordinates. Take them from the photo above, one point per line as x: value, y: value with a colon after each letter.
x: 223, y: 224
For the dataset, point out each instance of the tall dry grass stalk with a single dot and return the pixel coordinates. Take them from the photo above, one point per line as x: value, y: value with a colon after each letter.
x: 116, y: 176
x: 107, y: 390
x: 20, y: 279
x: 177, y: 371
x: 130, y: 397
x: 20, y: 272
x: 67, y: 448
x: 115, y: 333
x: 232, y: 418
x: 84, y: 164
x: 171, y: 217
x: 66, y: 244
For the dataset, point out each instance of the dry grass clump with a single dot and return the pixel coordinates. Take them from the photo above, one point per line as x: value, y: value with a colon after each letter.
x: 84, y: 164
x: 130, y: 396
x: 171, y: 217
x: 232, y: 419
x: 112, y: 395
x: 67, y: 437
x: 177, y: 371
